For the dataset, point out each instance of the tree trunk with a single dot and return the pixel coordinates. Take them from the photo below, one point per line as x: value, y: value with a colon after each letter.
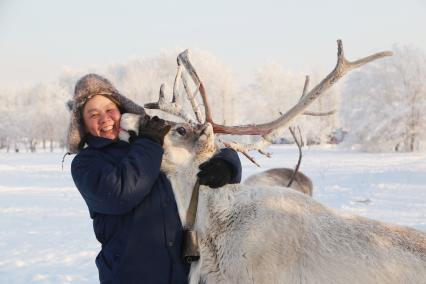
x: 32, y: 146
x: 412, y: 142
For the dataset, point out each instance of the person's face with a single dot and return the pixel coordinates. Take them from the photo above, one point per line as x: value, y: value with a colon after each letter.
x: 101, y: 117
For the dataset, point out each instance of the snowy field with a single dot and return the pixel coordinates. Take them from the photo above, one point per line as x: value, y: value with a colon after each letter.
x: 46, y: 233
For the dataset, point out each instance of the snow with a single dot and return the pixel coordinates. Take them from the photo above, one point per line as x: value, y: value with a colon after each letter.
x: 46, y: 234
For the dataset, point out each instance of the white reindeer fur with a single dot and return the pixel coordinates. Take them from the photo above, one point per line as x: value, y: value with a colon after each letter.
x: 281, y: 177
x: 253, y: 234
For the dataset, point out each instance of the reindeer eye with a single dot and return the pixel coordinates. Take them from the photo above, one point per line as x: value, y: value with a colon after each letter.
x: 181, y: 131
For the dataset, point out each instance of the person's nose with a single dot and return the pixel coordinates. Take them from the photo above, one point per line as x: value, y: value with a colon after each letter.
x: 104, y: 118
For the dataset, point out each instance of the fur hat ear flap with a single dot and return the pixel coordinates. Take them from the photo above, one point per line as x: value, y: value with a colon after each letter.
x: 70, y: 104
x: 85, y: 88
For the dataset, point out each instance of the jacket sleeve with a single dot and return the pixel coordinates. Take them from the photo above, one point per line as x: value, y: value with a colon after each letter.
x: 116, y: 186
x: 232, y: 158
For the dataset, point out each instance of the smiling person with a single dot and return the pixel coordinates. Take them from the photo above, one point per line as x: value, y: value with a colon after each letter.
x: 101, y: 117
x: 130, y: 200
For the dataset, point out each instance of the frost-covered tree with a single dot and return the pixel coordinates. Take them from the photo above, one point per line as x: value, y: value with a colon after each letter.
x: 274, y: 90
x: 7, y: 108
x: 318, y: 129
x: 52, y: 114
x: 383, y: 103
x: 33, y: 116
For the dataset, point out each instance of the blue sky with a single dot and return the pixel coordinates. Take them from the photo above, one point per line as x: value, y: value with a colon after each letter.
x: 38, y: 39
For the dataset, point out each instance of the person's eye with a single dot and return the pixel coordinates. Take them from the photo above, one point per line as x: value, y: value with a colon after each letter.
x: 181, y: 131
x: 94, y: 115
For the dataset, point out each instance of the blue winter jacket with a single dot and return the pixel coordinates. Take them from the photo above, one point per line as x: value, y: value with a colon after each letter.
x: 134, y: 212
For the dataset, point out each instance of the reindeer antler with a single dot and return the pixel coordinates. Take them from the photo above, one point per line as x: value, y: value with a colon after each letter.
x: 342, y: 67
x: 268, y: 131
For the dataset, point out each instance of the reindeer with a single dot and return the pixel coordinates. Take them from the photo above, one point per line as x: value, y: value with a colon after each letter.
x: 260, y: 234
x: 283, y: 177
x: 291, y: 178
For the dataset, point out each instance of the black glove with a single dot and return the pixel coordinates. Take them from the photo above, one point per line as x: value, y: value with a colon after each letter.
x: 215, y: 173
x: 151, y: 128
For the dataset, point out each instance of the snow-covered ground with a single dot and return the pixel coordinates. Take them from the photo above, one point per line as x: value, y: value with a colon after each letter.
x: 46, y: 233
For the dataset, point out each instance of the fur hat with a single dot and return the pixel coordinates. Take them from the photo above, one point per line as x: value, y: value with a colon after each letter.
x: 87, y: 87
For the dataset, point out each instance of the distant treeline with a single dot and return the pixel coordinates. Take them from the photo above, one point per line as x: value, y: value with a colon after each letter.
x: 378, y: 108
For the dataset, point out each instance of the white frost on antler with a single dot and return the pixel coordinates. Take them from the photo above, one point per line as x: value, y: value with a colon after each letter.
x: 173, y: 108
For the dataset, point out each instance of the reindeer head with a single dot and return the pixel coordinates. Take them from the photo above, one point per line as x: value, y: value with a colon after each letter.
x: 184, y: 145
x: 187, y: 145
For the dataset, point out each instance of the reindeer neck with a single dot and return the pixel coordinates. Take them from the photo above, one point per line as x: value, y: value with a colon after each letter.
x: 214, y: 204
x: 183, y: 180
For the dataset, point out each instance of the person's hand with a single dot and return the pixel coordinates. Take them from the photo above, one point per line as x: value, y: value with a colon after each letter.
x: 152, y: 128
x: 215, y: 173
